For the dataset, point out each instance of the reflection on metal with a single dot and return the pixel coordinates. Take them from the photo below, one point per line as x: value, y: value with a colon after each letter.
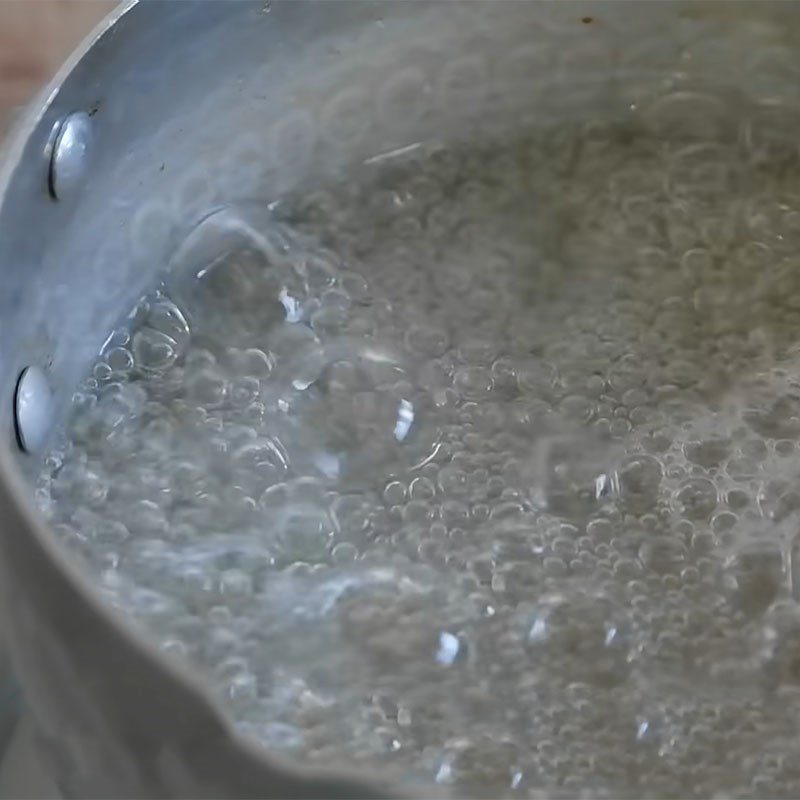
x: 70, y: 155
x: 32, y: 409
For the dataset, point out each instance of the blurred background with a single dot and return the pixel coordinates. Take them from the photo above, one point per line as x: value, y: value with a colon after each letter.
x: 35, y: 38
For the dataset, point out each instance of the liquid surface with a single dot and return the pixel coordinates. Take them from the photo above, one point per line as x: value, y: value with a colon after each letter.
x: 480, y: 467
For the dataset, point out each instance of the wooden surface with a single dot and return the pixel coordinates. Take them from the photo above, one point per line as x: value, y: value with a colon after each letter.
x: 35, y: 38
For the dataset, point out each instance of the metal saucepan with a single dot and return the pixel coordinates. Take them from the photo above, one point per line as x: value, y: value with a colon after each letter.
x: 167, y: 110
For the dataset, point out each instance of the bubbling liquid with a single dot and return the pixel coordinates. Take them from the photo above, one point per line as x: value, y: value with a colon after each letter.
x: 480, y: 467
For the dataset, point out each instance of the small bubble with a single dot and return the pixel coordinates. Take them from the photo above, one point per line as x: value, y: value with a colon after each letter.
x: 696, y: 498
x: 244, y: 391
x: 663, y: 554
x: 344, y: 553
x: 208, y: 388
x: 639, y: 479
x: 422, y: 489
x: 153, y: 351
x: 120, y: 359
x: 235, y: 583
x: 395, y: 493
x: 473, y: 383
x: 427, y: 340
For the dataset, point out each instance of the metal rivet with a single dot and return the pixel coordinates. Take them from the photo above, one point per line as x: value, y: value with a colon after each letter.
x: 33, y: 406
x: 69, y: 156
